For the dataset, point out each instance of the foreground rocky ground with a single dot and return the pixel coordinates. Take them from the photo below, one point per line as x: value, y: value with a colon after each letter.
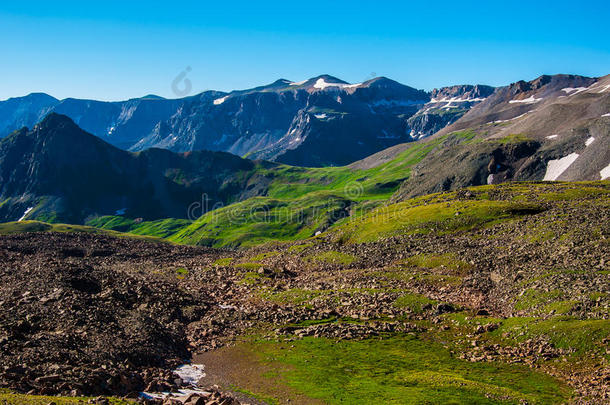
x: 84, y: 314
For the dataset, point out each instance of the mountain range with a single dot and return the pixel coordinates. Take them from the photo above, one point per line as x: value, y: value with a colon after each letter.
x: 551, y: 128
x: 468, y: 265
x: 318, y: 122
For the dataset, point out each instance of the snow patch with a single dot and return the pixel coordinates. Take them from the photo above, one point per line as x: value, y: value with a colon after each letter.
x: 570, y: 91
x: 320, y: 116
x: 219, y: 101
x: 455, y: 100
x: 510, y: 119
x: 589, y: 141
x: 604, y: 88
x: 190, y: 374
x: 529, y: 100
x: 552, y: 136
x: 322, y: 84
x: 298, y: 83
x: 555, y: 168
x: 605, y: 172
x: 606, y: 115
x: 490, y: 179
x: 167, y: 395
x: 25, y: 214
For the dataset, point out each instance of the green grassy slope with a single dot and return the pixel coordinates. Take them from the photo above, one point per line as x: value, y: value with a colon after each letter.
x: 303, y: 201
x: 8, y: 228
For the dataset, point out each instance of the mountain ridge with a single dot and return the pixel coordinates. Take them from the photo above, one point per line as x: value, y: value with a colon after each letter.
x: 268, y: 121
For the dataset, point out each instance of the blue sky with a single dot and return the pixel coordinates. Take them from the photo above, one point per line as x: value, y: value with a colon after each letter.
x: 117, y: 50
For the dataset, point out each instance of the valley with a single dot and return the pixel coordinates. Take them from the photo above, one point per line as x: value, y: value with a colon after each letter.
x: 466, y: 264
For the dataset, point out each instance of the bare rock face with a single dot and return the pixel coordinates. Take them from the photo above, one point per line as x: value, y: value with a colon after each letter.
x: 283, y: 121
x: 447, y: 105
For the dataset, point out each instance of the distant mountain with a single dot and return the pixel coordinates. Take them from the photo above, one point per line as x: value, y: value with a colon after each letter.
x: 318, y: 122
x: 19, y: 112
x: 58, y: 172
x: 551, y: 128
x: 447, y: 105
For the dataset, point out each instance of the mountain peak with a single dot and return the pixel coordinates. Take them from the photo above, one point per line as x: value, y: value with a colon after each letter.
x: 63, y: 131
x: 327, y: 79
x: 152, y: 97
x: 54, y: 119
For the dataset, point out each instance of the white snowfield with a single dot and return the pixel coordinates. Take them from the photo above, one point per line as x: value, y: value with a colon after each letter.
x: 571, y: 91
x: 25, y: 214
x: 221, y: 100
x: 589, y: 141
x: 606, y: 115
x: 552, y: 136
x: 529, y: 100
x: 322, y: 84
x: 514, y: 118
x: 603, y: 88
x: 605, y: 172
x: 555, y: 168
x: 455, y: 100
x: 298, y: 83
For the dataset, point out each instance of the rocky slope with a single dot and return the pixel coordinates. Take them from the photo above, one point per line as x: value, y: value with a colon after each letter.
x: 552, y: 128
x: 318, y: 122
x: 447, y: 105
x: 492, y: 294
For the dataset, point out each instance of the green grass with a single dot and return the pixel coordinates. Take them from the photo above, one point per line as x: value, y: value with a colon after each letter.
x: 297, y: 296
x: 332, y: 257
x: 302, y: 201
x: 441, y: 217
x: 161, y: 228
x: 512, y: 138
x: 583, y: 336
x: 8, y: 228
x: 401, y: 370
x: 11, y: 398
x: 261, y: 398
x: 414, y: 302
x: 575, y: 192
x: 252, y: 278
x: 225, y: 261
x: 299, y: 248
x: 248, y: 266
x: 262, y: 219
x: 532, y: 299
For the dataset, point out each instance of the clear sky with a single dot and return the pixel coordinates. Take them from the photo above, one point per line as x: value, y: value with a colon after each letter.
x: 113, y: 50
